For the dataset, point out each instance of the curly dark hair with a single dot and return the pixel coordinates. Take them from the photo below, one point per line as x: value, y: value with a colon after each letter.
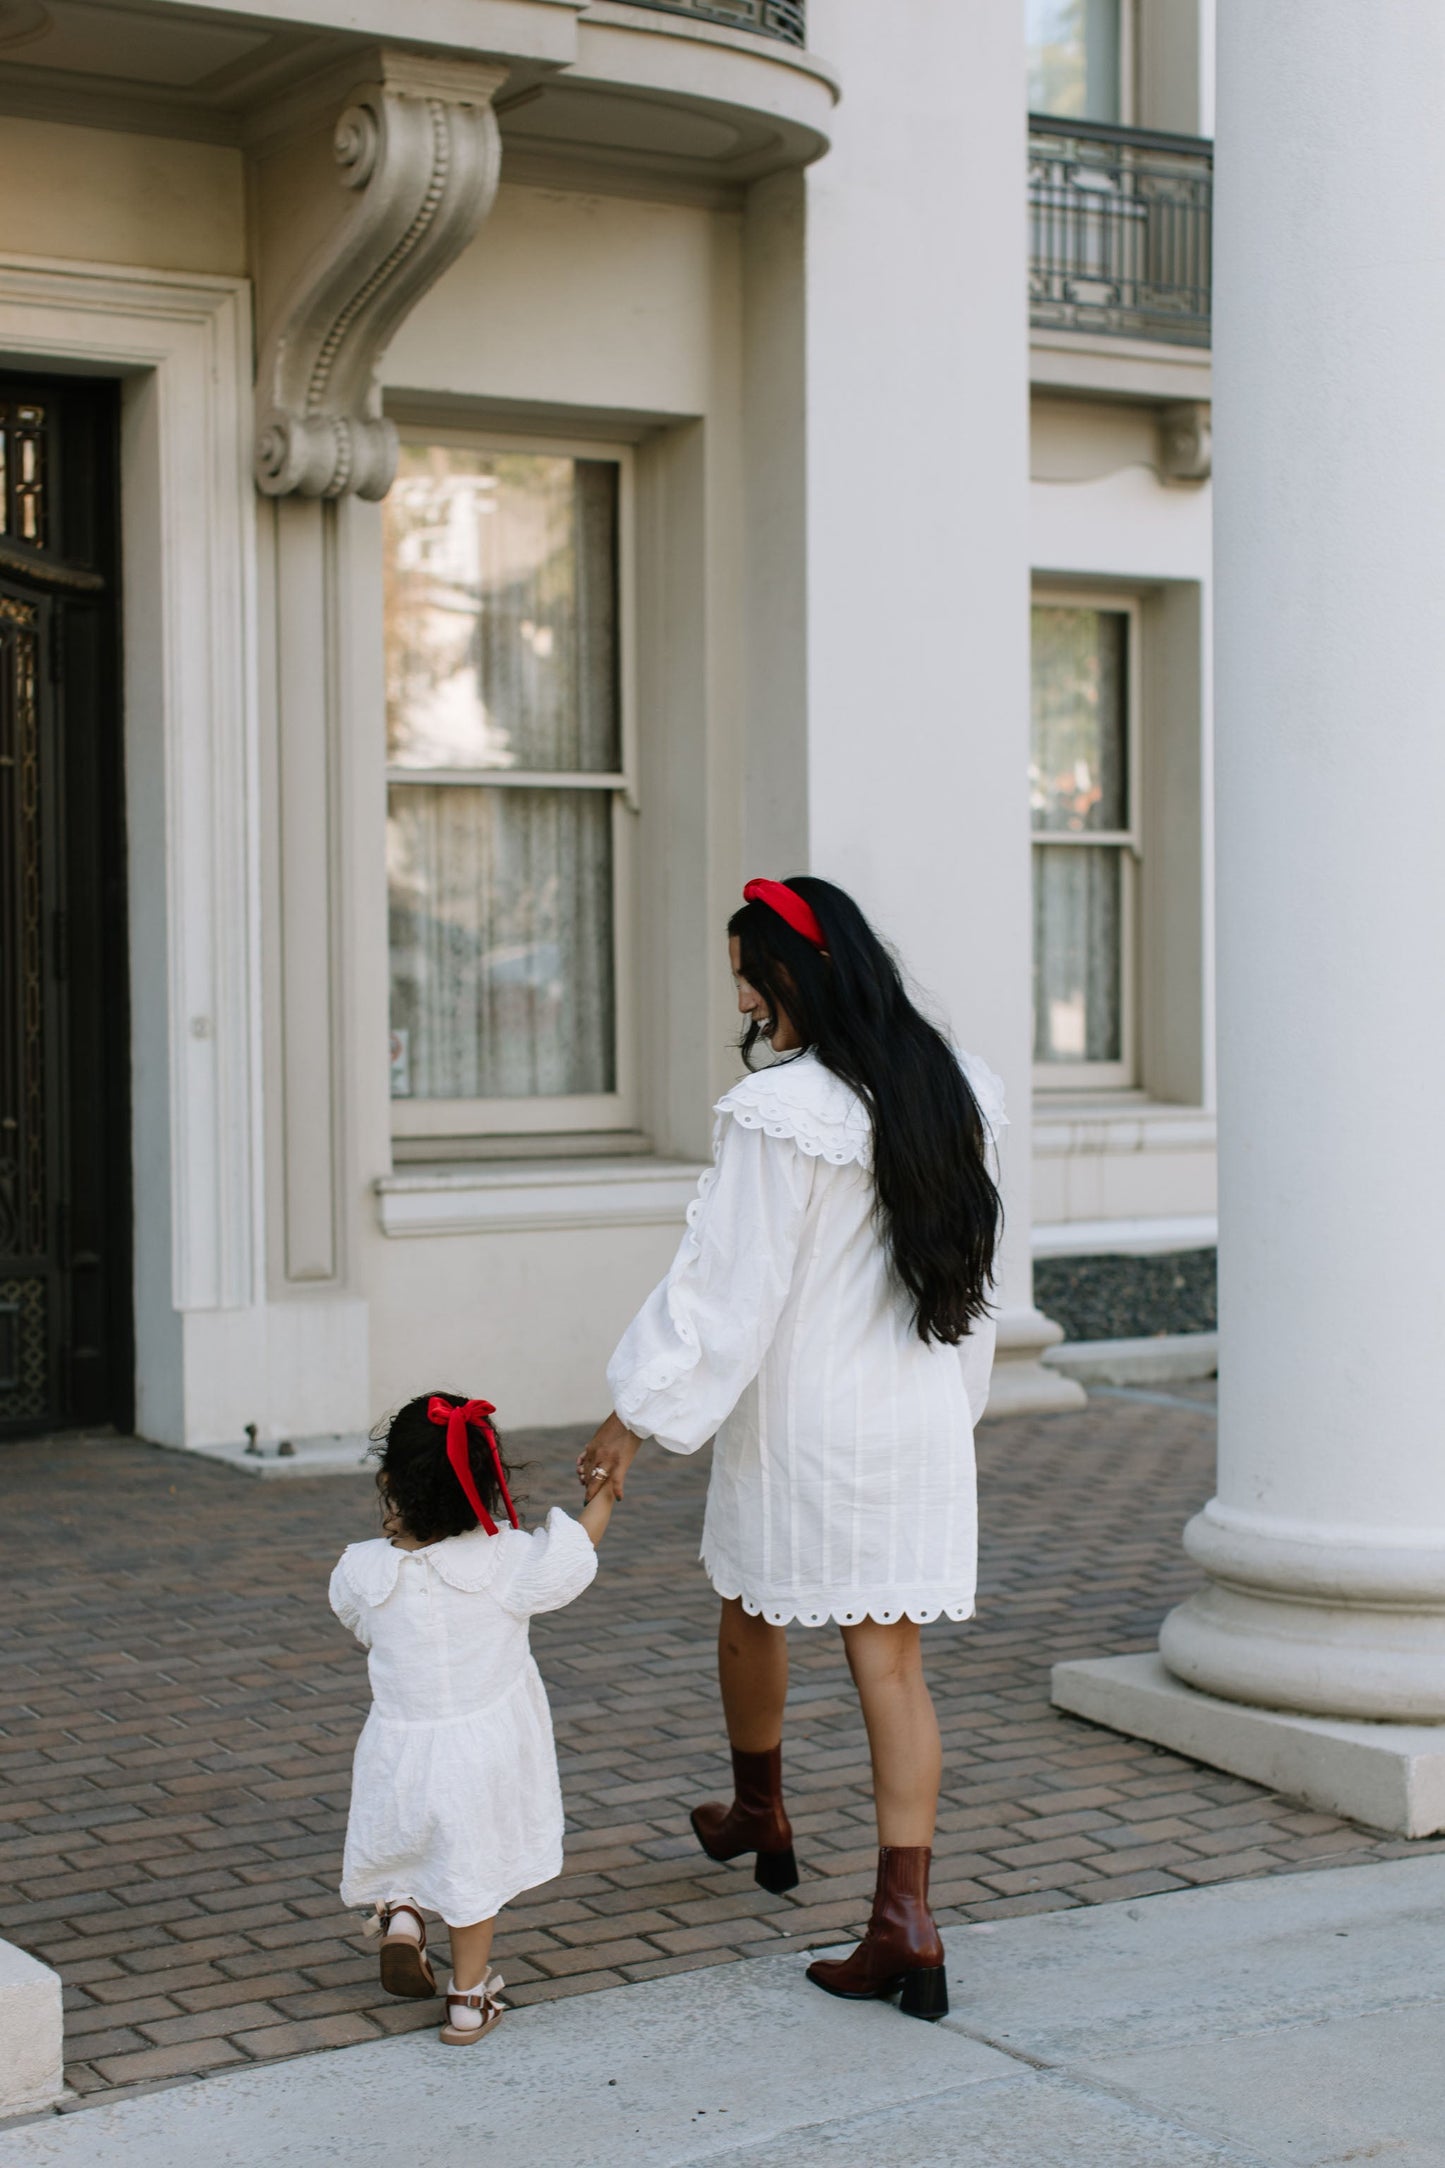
x: 420, y: 1495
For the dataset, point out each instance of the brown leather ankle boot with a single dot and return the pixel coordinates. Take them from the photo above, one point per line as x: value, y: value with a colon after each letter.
x: 902, y: 1948
x: 756, y: 1821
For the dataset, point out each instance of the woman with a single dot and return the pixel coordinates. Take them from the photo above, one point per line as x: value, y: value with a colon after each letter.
x: 826, y: 1317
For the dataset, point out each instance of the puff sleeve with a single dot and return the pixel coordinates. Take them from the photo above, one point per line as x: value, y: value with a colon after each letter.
x: 352, y: 1612
x: 700, y: 1338
x: 543, y: 1568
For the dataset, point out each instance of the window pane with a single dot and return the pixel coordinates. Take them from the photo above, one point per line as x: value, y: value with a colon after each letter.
x: 1074, y: 58
x: 501, y: 941
x: 501, y: 611
x: 1078, y: 1004
x: 1079, y: 771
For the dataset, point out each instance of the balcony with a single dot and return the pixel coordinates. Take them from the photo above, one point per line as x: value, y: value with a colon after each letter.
x: 769, y: 18
x: 1119, y: 231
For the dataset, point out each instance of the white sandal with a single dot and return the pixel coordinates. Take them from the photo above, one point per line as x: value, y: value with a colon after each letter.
x: 405, y: 1966
x: 487, y: 1999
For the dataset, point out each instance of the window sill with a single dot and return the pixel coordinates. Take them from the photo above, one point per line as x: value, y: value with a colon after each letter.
x: 1122, y: 1122
x: 537, y: 1196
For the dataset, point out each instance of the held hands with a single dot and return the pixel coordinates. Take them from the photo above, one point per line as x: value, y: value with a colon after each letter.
x: 606, y: 1457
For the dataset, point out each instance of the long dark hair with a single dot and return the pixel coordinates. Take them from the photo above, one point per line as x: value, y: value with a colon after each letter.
x: 938, y: 1206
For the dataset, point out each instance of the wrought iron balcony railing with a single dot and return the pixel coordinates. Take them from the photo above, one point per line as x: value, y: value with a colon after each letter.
x: 769, y: 18
x: 1119, y: 231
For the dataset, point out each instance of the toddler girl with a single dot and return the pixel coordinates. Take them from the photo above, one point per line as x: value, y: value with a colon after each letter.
x: 455, y: 1803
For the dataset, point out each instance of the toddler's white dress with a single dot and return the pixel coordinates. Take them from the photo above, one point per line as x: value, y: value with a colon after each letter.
x: 455, y: 1801
x: 842, y: 1479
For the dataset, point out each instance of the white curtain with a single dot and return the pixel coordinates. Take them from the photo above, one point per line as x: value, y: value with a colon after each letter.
x: 1079, y: 785
x: 502, y: 654
x: 501, y: 940
x: 1078, y: 1007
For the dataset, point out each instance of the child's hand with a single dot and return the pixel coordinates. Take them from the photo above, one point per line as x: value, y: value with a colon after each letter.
x: 601, y: 1498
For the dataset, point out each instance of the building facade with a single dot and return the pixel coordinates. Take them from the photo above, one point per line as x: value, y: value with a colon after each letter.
x: 470, y: 499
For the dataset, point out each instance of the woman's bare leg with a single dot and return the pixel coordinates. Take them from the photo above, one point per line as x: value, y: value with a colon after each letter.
x: 907, y: 1754
x: 752, y: 1669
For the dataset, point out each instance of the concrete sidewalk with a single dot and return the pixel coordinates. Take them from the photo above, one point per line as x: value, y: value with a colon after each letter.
x: 1287, y: 2022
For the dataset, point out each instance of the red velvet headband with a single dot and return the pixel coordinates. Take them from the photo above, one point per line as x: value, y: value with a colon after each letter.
x: 455, y: 1420
x: 789, y: 905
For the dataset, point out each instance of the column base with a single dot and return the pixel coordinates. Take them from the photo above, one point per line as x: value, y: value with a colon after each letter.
x: 1388, y: 1776
x: 1030, y: 1388
x: 1022, y: 1384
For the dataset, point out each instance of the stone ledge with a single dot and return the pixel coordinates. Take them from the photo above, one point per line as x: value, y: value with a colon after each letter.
x: 30, y: 2032
x: 528, y: 1197
x: 1388, y: 1776
x: 342, y: 1454
x: 1167, y: 1358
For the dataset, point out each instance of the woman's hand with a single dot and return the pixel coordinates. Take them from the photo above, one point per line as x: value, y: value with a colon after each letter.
x: 608, y: 1455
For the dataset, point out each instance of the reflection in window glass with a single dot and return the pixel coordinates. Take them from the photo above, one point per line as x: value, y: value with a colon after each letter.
x: 1078, y: 766
x: 1073, y: 58
x: 501, y: 621
x: 1079, y: 787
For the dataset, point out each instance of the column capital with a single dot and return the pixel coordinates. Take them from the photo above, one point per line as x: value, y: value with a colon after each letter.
x: 417, y: 153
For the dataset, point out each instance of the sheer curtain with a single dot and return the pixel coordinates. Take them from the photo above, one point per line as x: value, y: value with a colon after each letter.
x: 1078, y: 1005
x: 503, y: 655
x: 1079, y: 787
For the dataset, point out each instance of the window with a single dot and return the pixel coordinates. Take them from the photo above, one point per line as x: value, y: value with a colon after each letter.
x: 509, y: 787
x: 1084, y: 791
x: 1075, y: 57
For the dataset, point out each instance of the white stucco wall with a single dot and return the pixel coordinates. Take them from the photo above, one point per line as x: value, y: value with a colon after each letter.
x: 575, y: 314
x: 1100, y: 513
x: 108, y: 197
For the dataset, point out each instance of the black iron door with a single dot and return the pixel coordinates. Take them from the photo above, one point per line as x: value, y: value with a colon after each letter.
x: 65, y: 1323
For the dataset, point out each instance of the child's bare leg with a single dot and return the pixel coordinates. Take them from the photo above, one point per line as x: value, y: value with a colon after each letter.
x: 473, y: 2008
x: 471, y: 1951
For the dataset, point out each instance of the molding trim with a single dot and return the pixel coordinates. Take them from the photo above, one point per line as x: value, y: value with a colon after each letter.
x: 477, y: 1200
x: 417, y: 146
x: 1097, y: 364
x: 184, y: 346
x: 1126, y: 1237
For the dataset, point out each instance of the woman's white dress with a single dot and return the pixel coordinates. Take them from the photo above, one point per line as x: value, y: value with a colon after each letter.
x: 455, y: 1801
x: 843, y: 1472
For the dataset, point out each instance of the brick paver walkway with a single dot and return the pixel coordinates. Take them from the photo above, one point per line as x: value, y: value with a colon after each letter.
x: 178, y: 1708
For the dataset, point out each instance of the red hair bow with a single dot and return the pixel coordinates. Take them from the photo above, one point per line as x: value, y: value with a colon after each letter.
x: 789, y: 905
x: 456, y: 1419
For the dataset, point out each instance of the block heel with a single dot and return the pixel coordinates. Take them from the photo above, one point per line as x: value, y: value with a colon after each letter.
x: 925, y: 1994
x: 777, y: 1871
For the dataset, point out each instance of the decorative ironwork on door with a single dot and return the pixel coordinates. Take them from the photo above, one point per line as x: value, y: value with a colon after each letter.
x: 22, y: 471
x: 64, y: 1211
x: 24, y: 1322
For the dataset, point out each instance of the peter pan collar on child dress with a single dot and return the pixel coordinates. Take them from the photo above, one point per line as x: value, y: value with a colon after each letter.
x: 466, y: 1562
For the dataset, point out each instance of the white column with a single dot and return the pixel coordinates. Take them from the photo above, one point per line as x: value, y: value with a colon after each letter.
x: 917, y: 590
x: 1325, y: 1544
x: 1330, y: 538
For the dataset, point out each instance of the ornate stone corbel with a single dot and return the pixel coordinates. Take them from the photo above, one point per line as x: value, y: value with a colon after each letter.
x: 1186, y: 441
x: 419, y: 147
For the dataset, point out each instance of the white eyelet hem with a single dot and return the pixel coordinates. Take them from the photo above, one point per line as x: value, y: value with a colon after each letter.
x: 886, y: 1609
